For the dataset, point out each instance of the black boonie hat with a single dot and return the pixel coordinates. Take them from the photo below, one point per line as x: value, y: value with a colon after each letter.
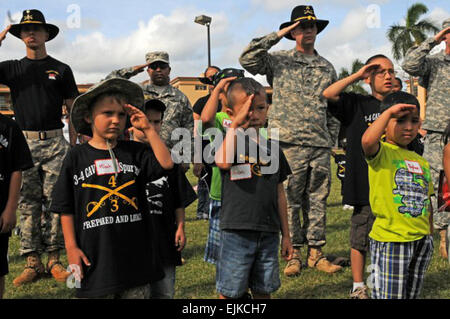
x: 36, y: 17
x: 304, y: 14
x: 154, y: 104
x: 227, y: 73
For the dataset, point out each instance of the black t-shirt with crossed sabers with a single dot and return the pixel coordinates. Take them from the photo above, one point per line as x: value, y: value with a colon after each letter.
x: 38, y: 90
x: 250, y: 201
x: 164, y: 196
x: 110, y: 215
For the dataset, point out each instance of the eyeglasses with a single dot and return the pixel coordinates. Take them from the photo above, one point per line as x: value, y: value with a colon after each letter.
x: 382, y: 73
x: 160, y: 65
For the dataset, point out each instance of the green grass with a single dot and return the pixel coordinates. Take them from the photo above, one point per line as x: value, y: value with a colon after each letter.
x: 196, y: 279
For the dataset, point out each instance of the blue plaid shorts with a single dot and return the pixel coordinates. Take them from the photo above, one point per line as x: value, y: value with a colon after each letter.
x: 398, y: 269
x: 213, y: 242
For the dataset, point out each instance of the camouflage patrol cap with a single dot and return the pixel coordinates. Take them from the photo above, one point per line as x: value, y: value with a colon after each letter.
x: 156, y: 56
x: 82, y: 104
x: 446, y: 23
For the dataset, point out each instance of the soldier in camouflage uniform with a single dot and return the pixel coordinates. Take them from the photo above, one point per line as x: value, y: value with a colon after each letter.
x: 38, y: 111
x: 434, y: 71
x: 179, y: 112
x: 306, y: 131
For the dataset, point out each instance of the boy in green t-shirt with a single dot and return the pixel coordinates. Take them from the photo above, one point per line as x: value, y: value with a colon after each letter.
x: 400, y: 191
x: 220, y: 121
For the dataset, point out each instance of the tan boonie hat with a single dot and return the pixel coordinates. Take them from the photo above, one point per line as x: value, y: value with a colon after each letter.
x: 80, y: 108
x: 156, y: 56
x: 446, y: 23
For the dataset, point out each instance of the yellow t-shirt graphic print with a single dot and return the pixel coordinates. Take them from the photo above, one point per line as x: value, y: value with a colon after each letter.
x: 400, y: 190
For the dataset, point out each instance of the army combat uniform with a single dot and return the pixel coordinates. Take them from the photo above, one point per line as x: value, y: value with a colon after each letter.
x: 178, y: 113
x: 306, y: 131
x: 434, y: 71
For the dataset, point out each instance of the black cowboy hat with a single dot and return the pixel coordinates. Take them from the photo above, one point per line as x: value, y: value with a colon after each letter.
x: 36, y: 17
x: 304, y: 14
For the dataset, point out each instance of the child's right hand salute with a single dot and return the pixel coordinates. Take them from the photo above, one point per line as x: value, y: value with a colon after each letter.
x: 141, y: 122
x: 242, y: 118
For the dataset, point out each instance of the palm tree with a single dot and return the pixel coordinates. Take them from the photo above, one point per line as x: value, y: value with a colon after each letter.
x: 356, y: 86
x: 414, y: 32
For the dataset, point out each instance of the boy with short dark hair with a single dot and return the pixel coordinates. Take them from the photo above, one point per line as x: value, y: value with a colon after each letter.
x: 254, y: 207
x: 401, y: 245
x: 357, y: 112
x: 220, y: 121
x: 15, y: 157
x: 167, y: 198
x: 100, y: 190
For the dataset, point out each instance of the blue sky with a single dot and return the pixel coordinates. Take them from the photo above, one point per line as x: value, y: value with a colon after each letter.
x: 114, y: 34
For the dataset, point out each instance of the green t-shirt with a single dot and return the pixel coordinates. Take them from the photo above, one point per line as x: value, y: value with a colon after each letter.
x: 400, y: 190
x: 222, y: 121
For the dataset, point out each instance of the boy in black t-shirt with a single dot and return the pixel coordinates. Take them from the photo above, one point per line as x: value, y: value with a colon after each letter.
x: 254, y: 208
x: 167, y: 198
x: 15, y: 157
x: 357, y: 112
x: 100, y: 191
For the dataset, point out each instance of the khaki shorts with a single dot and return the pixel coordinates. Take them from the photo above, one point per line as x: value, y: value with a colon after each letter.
x: 362, y: 221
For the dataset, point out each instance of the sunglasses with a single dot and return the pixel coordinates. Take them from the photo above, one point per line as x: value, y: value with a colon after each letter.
x: 160, y: 65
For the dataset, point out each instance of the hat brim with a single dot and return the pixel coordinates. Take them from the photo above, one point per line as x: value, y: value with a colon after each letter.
x: 80, y: 108
x: 206, y: 81
x: 321, y: 24
x: 53, y: 30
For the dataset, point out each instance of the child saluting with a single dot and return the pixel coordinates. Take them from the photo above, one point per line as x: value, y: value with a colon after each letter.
x: 99, y: 190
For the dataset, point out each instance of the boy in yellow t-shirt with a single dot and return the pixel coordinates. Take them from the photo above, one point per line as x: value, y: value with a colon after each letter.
x: 401, y: 245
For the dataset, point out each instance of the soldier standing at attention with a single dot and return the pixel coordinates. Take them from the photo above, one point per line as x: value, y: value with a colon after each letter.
x: 39, y: 85
x: 178, y: 112
x: 434, y: 71
x: 306, y: 131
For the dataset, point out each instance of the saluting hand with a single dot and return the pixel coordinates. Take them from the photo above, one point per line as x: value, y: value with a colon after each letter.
x: 288, y: 29
x: 401, y: 109
x: 140, y: 68
x: 367, y: 70
x: 137, y: 118
x: 242, y: 119
x: 3, y: 34
x: 442, y: 35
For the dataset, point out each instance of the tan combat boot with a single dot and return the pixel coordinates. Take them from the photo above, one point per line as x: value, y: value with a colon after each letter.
x: 294, y: 266
x: 33, y: 270
x: 443, y: 244
x: 316, y: 259
x: 55, y: 268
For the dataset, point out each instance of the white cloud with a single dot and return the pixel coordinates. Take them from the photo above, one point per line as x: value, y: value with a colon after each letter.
x: 93, y: 55
x: 275, y: 5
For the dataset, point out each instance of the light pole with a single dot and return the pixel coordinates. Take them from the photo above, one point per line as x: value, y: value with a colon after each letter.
x: 205, y: 20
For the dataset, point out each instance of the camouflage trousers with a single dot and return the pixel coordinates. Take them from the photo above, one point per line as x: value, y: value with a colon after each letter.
x: 41, y: 229
x: 307, y: 190
x: 433, y: 153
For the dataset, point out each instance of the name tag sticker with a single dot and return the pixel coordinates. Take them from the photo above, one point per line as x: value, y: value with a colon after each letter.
x: 226, y: 123
x: 414, y: 167
x: 239, y: 172
x: 105, y: 166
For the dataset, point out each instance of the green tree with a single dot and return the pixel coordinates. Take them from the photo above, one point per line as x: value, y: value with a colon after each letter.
x: 356, y: 86
x: 413, y: 33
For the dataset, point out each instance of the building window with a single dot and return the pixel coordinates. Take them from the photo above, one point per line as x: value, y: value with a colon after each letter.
x: 4, y: 104
x: 200, y: 87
